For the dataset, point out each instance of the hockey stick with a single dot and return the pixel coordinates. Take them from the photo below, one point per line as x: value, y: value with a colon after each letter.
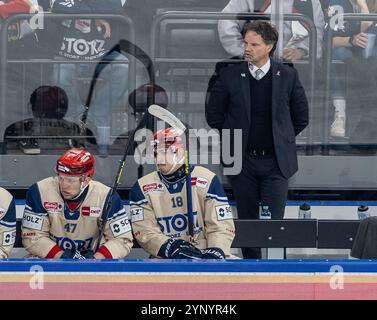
x: 109, y: 203
x: 129, y: 47
x: 174, y: 122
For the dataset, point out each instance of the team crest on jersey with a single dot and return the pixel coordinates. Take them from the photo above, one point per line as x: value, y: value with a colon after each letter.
x: 2, y: 213
x: 94, y: 212
x: 153, y: 187
x: 52, y: 206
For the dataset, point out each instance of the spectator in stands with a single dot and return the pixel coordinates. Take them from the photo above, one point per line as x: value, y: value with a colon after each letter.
x: 159, y: 202
x: 22, y: 44
x: 295, y: 35
x: 49, y: 104
x: 349, y: 39
x: 265, y: 100
x: 9, y: 7
x: 7, y: 223
x: 63, y: 213
x: 19, y: 29
x: 88, y: 41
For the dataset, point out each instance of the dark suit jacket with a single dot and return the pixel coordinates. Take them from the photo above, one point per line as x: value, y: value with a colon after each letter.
x: 228, y: 107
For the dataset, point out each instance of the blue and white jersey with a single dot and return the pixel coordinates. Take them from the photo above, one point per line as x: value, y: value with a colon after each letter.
x: 159, y: 211
x: 48, y: 224
x: 7, y: 223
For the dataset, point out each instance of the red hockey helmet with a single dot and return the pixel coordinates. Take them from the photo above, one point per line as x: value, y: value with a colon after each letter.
x: 76, y: 162
x: 166, y: 138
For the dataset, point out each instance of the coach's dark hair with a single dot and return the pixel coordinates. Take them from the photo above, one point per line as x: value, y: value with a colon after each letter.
x: 265, y: 29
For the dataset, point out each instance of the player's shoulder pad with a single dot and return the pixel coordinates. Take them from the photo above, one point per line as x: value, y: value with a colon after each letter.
x: 33, y: 201
x: 136, y: 195
x: 150, y: 178
x: 99, y: 186
x: 10, y: 215
x: 201, y: 178
x: 216, y: 191
x: 5, y: 198
x: 202, y: 171
x: 117, y: 208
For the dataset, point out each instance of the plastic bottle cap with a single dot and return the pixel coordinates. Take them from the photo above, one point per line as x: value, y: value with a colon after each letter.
x: 363, y: 208
x: 305, y: 207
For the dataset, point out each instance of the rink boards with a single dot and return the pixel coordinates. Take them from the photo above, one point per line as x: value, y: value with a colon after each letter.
x: 191, y: 280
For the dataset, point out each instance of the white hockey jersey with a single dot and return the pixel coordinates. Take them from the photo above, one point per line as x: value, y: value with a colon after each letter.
x: 159, y: 211
x: 48, y: 226
x: 7, y: 223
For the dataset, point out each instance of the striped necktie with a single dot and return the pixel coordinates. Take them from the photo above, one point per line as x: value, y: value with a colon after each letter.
x: 258, y: 74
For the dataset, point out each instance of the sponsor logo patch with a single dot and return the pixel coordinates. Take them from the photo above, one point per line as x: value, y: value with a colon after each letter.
x: 94, y: 212
x: 201, y: 182
x: 120, y: 227
x: 32, y: 221
x: 9, y: 238
x: 28, y: 234
x: 153, y: 187
x: 137, y: 214
x: 224, y: 212
x: 52, y: 206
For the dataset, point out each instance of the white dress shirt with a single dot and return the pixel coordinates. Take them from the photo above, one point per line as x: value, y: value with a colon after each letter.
x: 253, y: 68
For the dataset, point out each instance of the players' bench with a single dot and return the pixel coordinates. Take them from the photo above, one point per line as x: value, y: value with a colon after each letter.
x: 288, y: 233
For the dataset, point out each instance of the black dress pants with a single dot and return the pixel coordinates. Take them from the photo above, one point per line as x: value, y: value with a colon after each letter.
x: 259, y: 181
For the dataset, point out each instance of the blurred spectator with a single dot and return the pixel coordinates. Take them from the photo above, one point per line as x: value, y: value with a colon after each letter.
x: 87, y: 41
x: 350, y: 38
x: 19, y: 29
x: 295, y: 35
x: 9, y: 7
x: 21, y: 43
x: 49, y: 105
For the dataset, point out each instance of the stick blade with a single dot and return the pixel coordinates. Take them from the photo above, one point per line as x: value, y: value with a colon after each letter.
x: 163, y: 114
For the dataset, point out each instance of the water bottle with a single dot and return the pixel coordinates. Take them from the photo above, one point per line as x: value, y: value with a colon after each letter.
x: 264, y: 211
x: 304, y: 212
x: 363, y: 212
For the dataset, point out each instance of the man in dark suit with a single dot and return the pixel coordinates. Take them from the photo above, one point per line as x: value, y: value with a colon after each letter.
x: 266, y: 100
